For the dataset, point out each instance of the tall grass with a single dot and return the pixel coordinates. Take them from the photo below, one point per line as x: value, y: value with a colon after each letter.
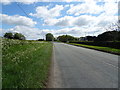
x: 25, y: 64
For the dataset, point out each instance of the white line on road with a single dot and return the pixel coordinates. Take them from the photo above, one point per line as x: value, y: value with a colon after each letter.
x: 110, y: 65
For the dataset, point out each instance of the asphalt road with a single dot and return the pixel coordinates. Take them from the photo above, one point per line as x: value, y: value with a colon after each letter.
x: 77, y: 67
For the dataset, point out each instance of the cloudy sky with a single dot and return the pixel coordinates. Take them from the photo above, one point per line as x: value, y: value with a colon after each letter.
x: 74, y: 17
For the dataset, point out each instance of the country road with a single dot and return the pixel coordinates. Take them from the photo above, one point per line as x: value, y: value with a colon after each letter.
x: 77, y: 67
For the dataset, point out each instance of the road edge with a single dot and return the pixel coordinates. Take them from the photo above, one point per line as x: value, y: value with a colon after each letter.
x: 50, y: 69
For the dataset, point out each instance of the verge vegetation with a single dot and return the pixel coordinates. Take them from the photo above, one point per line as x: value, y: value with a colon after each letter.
x: 105, y: 49
x: 25, y: 64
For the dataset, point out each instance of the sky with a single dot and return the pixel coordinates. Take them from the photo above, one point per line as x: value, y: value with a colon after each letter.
x: 78, y: 18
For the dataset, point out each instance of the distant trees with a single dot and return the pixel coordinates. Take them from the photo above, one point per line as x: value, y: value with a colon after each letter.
x: 106, y: 36
x: 19, y: 36
x: 49, y: 37
x: 109, y: 36
x: 66, y: 38
x: 40, y: 39
x: 10, y: 35
x: 90, y: 38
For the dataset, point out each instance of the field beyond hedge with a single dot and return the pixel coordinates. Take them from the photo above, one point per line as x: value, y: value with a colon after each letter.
x: 25, y: 64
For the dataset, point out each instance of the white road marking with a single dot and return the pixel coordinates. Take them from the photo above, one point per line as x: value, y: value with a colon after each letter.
x: 111, y: 65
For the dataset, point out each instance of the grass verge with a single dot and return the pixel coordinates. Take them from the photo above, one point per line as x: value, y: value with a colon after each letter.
x: 104, y: 49
x: 25, y: 64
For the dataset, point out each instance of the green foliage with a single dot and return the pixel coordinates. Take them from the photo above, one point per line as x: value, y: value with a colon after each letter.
x: 49, y: 37
x: 19, y: 36
x: 40, y: 39
x: 8, y: 35
x: 109, y: 36
x: 100, y: 43
x: 106, y: 49
x: 90, y: 38
x: 14, y: 36
x: 66, y: 38
x: 106, y: 36
x: 25, y: 64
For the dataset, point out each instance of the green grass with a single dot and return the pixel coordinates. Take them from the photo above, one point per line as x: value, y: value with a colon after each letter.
x: 25, y: 64
x: 107, y: 49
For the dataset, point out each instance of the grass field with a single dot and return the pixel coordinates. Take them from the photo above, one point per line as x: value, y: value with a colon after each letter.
x: 25, y: 64
x: 106, y: 49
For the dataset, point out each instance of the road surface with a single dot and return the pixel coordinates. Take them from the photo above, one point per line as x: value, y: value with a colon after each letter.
x: 77, y: 67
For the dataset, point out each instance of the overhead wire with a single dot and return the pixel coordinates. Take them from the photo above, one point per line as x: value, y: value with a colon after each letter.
x: 22, y: 10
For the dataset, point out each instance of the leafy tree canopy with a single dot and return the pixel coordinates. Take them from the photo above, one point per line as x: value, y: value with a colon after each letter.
x: 8, y: 35
x: 49, y: 37
x: 19, y: 36
x: 65, y: 38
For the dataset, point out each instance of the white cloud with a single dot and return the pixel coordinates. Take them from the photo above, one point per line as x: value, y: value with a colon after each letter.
x: 29, y: 32
x: 77, y: 31
x: 81, y: 25
x: 6, y: 2
x: 104, y: 21
x: 84, y: 8
x: 34, y: 1
x: 36, y: 33
x: 109, y: 8
x: 64, y: 21
x: 1, y: 31
x: 17, y: 20
x: 44, y: 12
x: 83, y: 20
x: 70, y: 21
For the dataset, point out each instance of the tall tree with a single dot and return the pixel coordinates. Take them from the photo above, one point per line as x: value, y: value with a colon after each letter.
x: 49, y: 37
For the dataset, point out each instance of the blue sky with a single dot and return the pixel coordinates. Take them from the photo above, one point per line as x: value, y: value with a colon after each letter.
x: 73, y: 18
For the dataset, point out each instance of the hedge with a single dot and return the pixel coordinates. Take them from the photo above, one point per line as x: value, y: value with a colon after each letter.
x: 103, y: 44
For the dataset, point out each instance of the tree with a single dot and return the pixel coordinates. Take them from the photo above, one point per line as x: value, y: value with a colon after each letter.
x: 66, y: 38
x: 90, y: 38
x: 8, y: 35
x: 19, y: 36
x: 49, y: 37
x: 108, y: 36
x: 40, y: 39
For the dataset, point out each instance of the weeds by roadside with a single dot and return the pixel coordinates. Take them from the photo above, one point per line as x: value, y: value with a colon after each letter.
x: 25, y: 64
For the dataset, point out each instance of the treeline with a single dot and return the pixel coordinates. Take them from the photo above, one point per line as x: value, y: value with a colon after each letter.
x: 18, y: 36
x: 109, y: 36
x: 106, y: 39
x: 106, y: 36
